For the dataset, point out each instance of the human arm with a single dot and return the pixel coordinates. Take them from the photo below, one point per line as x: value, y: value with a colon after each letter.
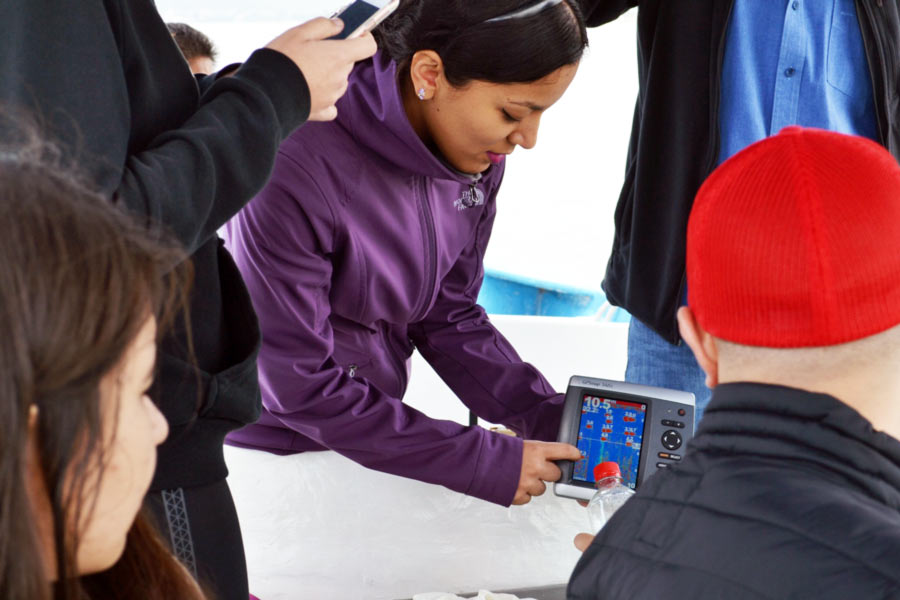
x: 227, y: 141
x: 106, y: 81
x: 284, y: 242
x: 583, y: 540
x: 598, y: 12
x: 325, y: 63
x: 474, y: 359
x: 483, y: 369
x: 539, y: 465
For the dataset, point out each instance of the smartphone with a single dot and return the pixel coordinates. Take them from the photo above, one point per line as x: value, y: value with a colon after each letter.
x: 362, y: 16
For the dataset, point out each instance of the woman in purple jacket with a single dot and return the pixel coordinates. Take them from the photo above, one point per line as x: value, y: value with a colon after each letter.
x: 368, y: 244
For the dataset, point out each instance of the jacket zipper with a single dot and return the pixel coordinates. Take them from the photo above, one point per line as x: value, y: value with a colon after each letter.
x: 431, y: 259
x: 431, y: 234
x: 474, y: 180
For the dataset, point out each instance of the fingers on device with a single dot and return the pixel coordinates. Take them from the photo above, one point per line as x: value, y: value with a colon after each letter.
x: 362, y: 16
x: 642, y: 428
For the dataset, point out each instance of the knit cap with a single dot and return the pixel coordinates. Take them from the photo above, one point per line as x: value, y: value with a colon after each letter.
x: 795, y: 242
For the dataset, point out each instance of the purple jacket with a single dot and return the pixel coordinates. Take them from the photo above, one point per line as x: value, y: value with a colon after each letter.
x: 362, y: 247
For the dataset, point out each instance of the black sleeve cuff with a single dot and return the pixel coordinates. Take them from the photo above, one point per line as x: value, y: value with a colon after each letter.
x: 284, y: 84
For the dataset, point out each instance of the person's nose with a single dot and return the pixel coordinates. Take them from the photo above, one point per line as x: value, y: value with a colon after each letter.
x: 526, y: 134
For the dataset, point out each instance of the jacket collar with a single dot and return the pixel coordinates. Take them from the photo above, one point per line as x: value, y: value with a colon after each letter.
x: 790, y: 425
x: 372, y: 111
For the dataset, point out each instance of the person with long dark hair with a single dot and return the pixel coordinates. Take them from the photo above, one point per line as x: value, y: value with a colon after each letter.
x: 85, y: 293
x: 368, y: 242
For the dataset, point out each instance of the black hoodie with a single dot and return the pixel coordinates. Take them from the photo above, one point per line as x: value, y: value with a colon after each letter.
x: 107, y: 81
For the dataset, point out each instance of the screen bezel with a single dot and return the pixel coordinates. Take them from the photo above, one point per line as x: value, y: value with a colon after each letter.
x: 568, y: 468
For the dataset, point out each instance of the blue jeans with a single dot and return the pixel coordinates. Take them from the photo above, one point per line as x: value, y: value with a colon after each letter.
x: 654, y: 361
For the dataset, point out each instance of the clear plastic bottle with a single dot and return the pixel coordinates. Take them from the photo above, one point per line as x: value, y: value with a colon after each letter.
x: 611, y: 494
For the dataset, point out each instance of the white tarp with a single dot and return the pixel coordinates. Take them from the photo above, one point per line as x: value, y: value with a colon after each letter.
x: 318, y: 525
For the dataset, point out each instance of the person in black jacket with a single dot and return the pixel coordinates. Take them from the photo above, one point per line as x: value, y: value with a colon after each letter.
x: 106, y: 80
x: 791, y: 487
x: 715, y: 76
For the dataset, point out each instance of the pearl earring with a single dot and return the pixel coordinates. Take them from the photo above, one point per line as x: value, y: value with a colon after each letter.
x: 421, y: 93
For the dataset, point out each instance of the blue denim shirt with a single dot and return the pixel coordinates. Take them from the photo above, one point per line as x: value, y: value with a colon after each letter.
x: 793, y: 62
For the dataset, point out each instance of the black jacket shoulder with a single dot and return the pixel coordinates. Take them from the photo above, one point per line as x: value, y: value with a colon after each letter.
x: 743, y: 529
x: 764, y: 505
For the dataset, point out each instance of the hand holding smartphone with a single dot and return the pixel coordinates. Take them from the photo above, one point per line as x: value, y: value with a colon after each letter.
x: 326, y: 65
x: 362, y: 16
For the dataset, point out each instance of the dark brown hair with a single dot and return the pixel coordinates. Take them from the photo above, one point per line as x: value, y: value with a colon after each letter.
x: 475, y: 46
x: 78, y: 279
x: 192, y: 43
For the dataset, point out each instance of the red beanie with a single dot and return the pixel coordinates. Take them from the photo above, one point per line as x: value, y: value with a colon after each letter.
x: 795, y: 242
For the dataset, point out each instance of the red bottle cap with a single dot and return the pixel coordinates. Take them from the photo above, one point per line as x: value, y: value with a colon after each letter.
x: 607, y: 469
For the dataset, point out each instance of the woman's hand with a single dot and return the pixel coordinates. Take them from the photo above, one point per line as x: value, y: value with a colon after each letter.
x: 583, y: 540
x: 326, y: 64
x: 538, y: 466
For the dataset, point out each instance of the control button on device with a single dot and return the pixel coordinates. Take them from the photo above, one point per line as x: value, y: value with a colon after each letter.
x: 663, y: 455
x: 675, y: 456
x: 681, y: 412
x: 671, y: 440
x: 667, y: 423
x: 662, y: 465
x: 677, y: 424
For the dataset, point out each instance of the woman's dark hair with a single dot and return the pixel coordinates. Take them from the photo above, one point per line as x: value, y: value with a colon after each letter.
x: 78, y: 279
x: 473, y: 47
x: 192, y: 43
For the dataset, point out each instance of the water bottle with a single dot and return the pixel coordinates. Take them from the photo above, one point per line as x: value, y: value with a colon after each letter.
x: 611, y: 494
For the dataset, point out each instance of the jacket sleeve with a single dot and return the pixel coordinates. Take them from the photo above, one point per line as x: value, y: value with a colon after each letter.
x: 286, y: 258
x: 221, y: 155
x: 599, y: 12
x: 70, y: 62
x: 475, y: 360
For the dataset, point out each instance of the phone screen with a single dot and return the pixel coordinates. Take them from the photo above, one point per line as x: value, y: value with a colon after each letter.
x: 354, y: 16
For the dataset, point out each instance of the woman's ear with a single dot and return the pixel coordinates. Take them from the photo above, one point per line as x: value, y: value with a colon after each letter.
x: 426, y: 72
x: 701, y: 343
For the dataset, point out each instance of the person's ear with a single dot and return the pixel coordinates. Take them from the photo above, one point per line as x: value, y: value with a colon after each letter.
x: 426, y: 72
x: 701, y: 343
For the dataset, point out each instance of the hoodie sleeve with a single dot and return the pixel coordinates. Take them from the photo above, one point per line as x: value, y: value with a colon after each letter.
x: 86, y: 67
x: 599, y: 12
x: 285, y: 257
x: 222, y: 154
x: 475, y: 360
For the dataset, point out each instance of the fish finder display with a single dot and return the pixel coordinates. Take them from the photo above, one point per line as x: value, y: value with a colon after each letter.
x: 610, y: 430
